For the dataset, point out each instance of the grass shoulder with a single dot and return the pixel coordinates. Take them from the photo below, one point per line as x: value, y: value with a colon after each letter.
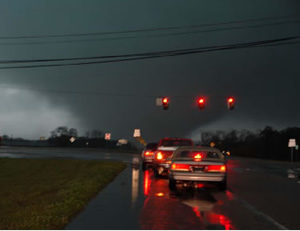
x: 48, y: 193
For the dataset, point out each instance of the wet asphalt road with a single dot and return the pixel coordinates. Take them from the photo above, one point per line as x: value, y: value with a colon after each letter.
x: 260, y: 196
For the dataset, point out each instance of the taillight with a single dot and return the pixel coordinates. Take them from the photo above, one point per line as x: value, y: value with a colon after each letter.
x: 216, y: 168
x: 148, y: 153
x: 180, y: 167
x: 159, y: 156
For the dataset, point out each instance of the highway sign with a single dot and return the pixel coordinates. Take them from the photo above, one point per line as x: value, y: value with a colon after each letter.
x: 107, y: 136
x: 137, y: 133
x: 292, y: 143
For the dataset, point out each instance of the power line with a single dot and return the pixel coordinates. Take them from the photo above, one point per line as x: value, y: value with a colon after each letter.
x: 150, y: 29
x: 160, y: 53
x: 151, y: 55
x: 140, y: 58
x: 151, y: 36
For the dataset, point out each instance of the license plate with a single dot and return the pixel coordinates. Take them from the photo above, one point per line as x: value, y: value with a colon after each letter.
x: 198, y: 169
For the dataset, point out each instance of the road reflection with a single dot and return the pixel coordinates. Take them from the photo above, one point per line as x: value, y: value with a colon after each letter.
x: 134, y: 183
x: 184, y: 208
x: 147, y: 182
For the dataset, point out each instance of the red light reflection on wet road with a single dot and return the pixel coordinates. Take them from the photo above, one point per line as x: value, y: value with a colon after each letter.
x: 147, y: 182
x: 165, y: 209
x: 216, y: 219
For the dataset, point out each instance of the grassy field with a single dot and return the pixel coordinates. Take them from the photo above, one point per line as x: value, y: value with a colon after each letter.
x: 46, y: 194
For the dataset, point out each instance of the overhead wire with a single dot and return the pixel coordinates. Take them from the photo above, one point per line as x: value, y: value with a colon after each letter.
x: 150, y: 55
x: 147, y: 30
x: 151, y: 35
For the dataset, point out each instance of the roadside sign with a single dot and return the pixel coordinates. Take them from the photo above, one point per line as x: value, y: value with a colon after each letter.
x: 292, y: 143
x: 72, y: 139
x: 123, y: 141
x: 137, y: 133
x: 107, y: 136
x: 158, y: 101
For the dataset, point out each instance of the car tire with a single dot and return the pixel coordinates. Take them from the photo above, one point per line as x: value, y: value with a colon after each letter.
x: 172, y: 184
x: 144, y: 166
x: 223, y: 185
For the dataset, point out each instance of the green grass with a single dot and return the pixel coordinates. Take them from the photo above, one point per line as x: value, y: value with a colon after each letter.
x: 46, y: 194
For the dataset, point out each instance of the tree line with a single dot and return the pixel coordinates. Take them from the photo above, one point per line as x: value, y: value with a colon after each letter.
x: 68, y: 137
x: 267, y: 143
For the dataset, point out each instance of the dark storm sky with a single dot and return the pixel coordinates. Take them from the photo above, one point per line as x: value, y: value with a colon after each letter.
x: 265, y: 81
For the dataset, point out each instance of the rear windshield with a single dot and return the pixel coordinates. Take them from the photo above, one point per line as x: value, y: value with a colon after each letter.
x: 151, y: 146
x: 198, y: 154
x: 176, y: 143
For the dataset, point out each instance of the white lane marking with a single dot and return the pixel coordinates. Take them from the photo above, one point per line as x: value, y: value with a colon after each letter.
x: 265, y: 216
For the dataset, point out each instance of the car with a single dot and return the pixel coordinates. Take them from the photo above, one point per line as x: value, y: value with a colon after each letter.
x: 195, y: 165
x: 164, y: 152
x: 148, y: 155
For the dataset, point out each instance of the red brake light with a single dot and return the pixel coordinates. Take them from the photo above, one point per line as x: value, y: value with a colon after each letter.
x: 198, y: 157
x: 180, y: 167
x: 148, y: 153
x: 159, y: 156
x: 216, y: 168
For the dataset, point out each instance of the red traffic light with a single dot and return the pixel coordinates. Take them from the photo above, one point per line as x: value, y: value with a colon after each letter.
x: 165, y: 102
x: 230, y: 103
x: 201, y: 103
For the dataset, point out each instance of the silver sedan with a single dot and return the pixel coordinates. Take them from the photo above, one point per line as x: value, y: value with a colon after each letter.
x: 194, y: 165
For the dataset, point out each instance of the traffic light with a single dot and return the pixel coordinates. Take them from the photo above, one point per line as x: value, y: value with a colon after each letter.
x: 165, y: 103
x: 201, y: 103
x: 230, y: 103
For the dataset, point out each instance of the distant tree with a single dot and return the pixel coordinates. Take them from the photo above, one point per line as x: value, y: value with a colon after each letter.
x: 5, y: 137
x: 59, y: 131
x: 207, y: 137
x: 73, y: 132
x: 244, y: 134
x: 230, y: 140
x: 61, y: 136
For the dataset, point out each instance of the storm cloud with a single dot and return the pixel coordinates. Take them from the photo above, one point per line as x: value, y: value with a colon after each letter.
x: 264, y: 80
